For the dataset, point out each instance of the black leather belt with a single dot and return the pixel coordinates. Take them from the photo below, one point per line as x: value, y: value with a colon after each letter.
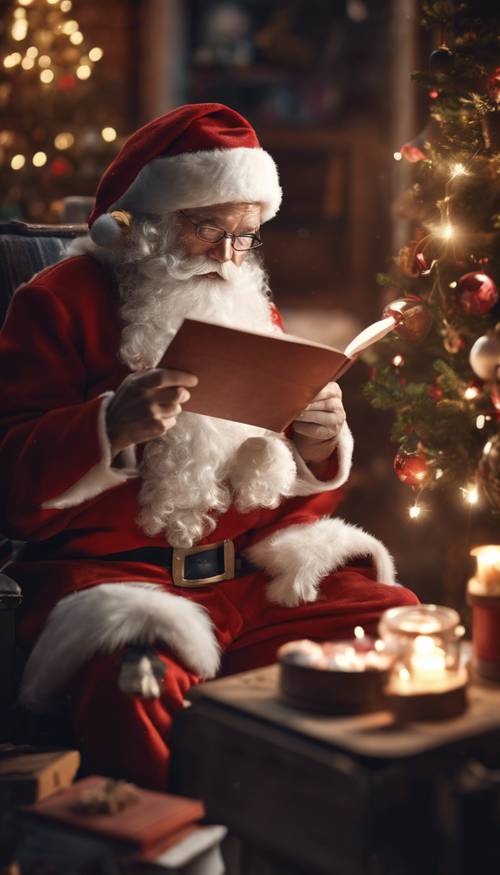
x: 191, y: 567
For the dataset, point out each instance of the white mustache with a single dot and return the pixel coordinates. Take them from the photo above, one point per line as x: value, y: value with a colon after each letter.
x: 187, y: 268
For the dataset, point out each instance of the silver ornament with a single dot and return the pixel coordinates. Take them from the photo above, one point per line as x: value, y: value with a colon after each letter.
x: 484, y: 356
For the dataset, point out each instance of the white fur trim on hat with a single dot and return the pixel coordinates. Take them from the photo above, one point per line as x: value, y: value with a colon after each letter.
x: 104, y: 619
x: 101, y: 476
x: 201, y: 179
x: 297, y: 558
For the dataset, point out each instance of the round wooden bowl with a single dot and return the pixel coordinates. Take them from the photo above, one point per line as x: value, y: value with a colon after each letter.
x: 334, y: 692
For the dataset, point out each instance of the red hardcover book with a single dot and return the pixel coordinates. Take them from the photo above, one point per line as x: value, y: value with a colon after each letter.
x: 260, y: 379
x: 64, y: 825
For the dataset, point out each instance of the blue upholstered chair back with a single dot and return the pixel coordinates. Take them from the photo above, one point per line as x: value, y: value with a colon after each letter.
x: 26, y: 249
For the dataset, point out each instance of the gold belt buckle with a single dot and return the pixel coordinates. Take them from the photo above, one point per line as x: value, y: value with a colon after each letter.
x: 180, y: 553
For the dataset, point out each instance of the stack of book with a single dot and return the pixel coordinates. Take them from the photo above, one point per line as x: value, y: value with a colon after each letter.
x: 102, y: 827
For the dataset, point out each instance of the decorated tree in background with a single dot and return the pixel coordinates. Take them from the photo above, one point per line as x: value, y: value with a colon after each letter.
x: 58, y: 128
x: 440, y: 373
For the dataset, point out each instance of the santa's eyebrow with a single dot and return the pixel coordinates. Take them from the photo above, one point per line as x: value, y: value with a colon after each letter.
x: 217, y: 222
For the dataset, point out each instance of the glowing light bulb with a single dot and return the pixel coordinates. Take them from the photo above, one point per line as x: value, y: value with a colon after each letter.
x: 70, y: 26
x: 453, y: 285
x: 397, y: 156
x: 83, y: 71
x: 480, y: 421
x: 359, y: 632
x: 44, y: 61
x: 39, y: 159
x: 458, y: 169
x: 96, y: 54
x: 108, y: 134
x: 27, y: 63
x: 66, y: 5
x: 25, y: 2
x: 487, y: 448
x: 471, y: 392
x: 76, y: 38
x: 19, y: 29
x: 414, y: 511
x: 438, y: 473
x: 470, y: 494
x: 17, y: 162
x: 32, y: 52
x: 398, y: 360
x: 64, y: 140
x: 447, y: 231
x: 46, y: 76
x: 12, y: 60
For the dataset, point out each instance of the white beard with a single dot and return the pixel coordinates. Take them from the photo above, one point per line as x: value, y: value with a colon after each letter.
x: 197, y: 469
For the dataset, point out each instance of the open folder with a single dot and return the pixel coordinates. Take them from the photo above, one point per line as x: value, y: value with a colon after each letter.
x: 255, y: 378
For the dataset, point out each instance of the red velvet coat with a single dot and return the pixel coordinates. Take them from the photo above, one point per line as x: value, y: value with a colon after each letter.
x: 58, y: 355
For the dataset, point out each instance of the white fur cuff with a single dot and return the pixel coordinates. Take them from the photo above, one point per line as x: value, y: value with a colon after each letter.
x: 297, y: 558
x: 102, y: 476
x: 307, y: 484
x: 105, y: 618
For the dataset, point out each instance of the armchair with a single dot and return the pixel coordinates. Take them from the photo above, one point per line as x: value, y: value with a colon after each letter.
x: 25, y: 249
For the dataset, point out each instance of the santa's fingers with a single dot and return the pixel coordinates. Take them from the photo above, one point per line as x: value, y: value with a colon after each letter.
x: 328, y: 405
x: 171, y: 395
x: 328, y: 418
x: 331, y: 390
x: 313, y: 430
x: 165, y: 411
x: 157, y: 378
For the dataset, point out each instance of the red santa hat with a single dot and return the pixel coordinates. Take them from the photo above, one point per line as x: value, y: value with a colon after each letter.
x: 194, y: 156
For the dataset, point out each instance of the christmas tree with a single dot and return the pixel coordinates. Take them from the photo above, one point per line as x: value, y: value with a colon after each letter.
x: 58, y: 131
x: 440, y: 374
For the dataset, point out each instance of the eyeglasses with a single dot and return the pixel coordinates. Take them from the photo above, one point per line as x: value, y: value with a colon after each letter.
x: 211, y: 234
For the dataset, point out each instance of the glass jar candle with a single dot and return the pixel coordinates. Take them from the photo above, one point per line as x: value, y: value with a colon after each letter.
x: 427, y: 679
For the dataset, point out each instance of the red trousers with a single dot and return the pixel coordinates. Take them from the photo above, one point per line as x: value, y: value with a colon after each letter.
x: 127, y: 736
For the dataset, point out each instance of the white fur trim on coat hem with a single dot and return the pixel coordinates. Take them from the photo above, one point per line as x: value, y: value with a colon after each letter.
x: 297, y: 558
x: 307, y: 484
x: 101, y: 476
x: 204, y: 178
x: 104, y: 619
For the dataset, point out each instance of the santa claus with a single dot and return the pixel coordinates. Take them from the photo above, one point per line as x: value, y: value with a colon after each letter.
x: 163, y: 547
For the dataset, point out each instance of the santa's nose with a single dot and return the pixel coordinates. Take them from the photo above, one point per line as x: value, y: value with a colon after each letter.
x: 223, y: 250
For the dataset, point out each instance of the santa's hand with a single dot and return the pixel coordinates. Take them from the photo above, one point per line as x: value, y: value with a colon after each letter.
x: 146, y: 405
x: 317, y: 428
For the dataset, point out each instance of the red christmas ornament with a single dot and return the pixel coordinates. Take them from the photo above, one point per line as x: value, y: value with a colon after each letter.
x: 494, y: 85
x: 477, y: 293
x: 60, y: 167
x: 413, y: 317
x: 412, y: 153
x: 411, y: 468
x: 66, y: 82
x: 421, y: 263
x: 435, y: 392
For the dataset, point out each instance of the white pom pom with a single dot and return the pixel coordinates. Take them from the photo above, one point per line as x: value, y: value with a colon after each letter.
x: 261, y: 472
x: 106, y: 231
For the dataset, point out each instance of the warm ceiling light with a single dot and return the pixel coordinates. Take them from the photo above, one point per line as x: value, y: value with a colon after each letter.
x: 39, y: 159
x: 108, y: 134
x: 17, y: 162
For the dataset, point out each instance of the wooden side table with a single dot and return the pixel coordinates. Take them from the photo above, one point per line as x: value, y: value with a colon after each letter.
x: 314, y: 795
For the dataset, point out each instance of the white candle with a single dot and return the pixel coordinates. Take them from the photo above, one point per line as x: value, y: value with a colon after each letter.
x: 488, y: 566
